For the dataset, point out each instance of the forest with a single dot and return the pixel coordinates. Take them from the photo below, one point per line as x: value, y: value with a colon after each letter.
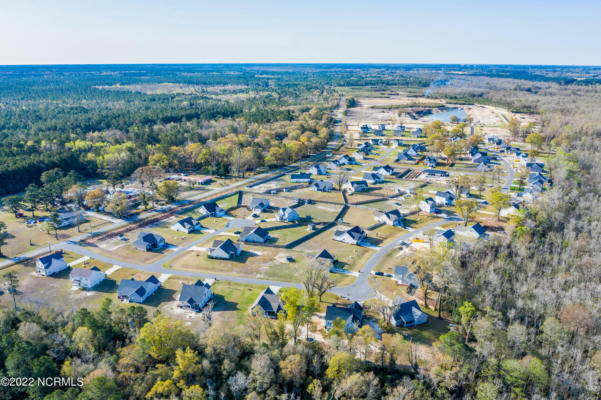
x: 526, y: 307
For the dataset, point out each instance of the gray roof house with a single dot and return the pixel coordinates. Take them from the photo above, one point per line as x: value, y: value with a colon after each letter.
x: 211, y: 209
x: 148, y: 241
x: 356, y: 186
x: 134, y: 291
x: 404, y: 156
x: 224, y: 249
x: 318, y: 169
x: 345, y: 160
x: 409, y: 314
x: 352, y: 316
x: 354, y: 235
x: 186, y: 225
x: 195, y: 297
x: 322, y: 186
x: 254, y: 234
x: 431, y: 161
x: 287, y: 214
x: 258, y: 205
x: 268, y: 304
x: 403, y: 276
x: 372, y: 177
x: 51, y: 264
x: 394, y: 217
x: 86, y: 278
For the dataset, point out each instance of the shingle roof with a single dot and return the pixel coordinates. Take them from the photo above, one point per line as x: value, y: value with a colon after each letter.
x: 50, y: 259
x: 226, y: 245
x: 325, y: 255
x: 194, y: 294
x: 257, y: 230
x: 405, y: 311
x: 83, y: 273
x: 352, y: 313
x: 257, y: 202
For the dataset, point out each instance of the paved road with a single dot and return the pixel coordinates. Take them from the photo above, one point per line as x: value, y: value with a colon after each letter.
x: 360, y: 289
x: 510, y: 174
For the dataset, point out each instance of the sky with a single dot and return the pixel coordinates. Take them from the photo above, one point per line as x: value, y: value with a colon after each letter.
x: 307, y: 31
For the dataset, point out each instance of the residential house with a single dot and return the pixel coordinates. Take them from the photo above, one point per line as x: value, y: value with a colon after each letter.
x: 346, y: 160
x: 409, y: 314
x: 148, y: 241
x: 134, y: 291
x: 211, y: 209
x: 382, y: 127
x: 372, y: 177
x: 356, y: 186
x: 51, y: 264
x: 535, y: 167
x: 444, y: 199
x: 186, y: 225
x: 322, y: 186
x: 254, y: 234
x: 403, y: 276
x: 318, y: 169
x: 86, y: 278
x: 428, y: 205
x: 394, y: 217
x: 399, y: 130
x: 398, y: 143
x: 365, y: 128
x: 376, y: 141
x: 446, y: 237
x: 195, y: 297
x: 482, y: 167
x: 404, y: 156
x: 268, y: 304
x: 384, y: 170
x: 354, y: 235
x: 352, y: 316
x: 513, y: 209
x: 225, y: 249
x: 325, y: 258
x: 258, y: 205
x: 287, y: 214
x: 431, y: 161
x: 70, y: 218
x: 417, y: 132
x: 301, y: 177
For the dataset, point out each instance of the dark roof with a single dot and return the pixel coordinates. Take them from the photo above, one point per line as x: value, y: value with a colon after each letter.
x: 211, y: 207
x: 257, y: 230
x: 448, y: 234
x: 50, y: 259
x: 83, y: 273
x: 436, y: 172
x: 358, y: 183
x: 405, y: 311
x: 325, y: 255
x: 270, y: 302
x: 479, y: 229
x: 352, y: 313
x: 355, y: 232
x: 128, y: 287
x: 372, y: 175
x: 194, y: 294
x: 323, y: 184
x: 226, y: 245
x: 300, y: 175
x: 148, y: 238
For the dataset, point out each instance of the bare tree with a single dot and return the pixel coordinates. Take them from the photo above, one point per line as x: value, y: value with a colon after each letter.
x: 340, y: 178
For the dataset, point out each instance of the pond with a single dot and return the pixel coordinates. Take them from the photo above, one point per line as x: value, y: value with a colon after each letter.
x: 445, y: 116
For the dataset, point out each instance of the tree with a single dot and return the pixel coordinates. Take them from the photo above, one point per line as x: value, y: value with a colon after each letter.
x: 340, y: 366
x: 291, y: 298
x: 78, y: 193
x: 317, y: 280
x: 381, y: 307
x: 148, y: 174
x: 458, y: 184
x: 514, y: 127
x: 3, y: 231
x: 95, y: 198
x: 480, y: 183
x: 307, y: 312
x: 168, y: 190
x: 451, y: 153
x: 466, y: 314
x: 53, y: 224
x: 32, y: 197
x: 161, y: 338
x: 536, y: 141
x: 11, y: 283
x: 498, y: 200
x: 119, y: 205
x: 466, y: 208
x: 340, y: 178
x: 294, y: 369
x: 100, y: 388
x: 13, y: 203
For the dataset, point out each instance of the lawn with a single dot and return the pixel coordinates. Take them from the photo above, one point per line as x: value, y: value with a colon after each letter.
x: 228, y: 202
x: 319, y: 212
x: 305, y: 193
x: 287, y: 235
x: 23, y: 238
x: 233, y: 300
x: 360, y: 216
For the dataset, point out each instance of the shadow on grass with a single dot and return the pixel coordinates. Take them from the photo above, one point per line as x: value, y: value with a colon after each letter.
x: 162, y: 295
x: 106, y: 286
x: 221, y: 304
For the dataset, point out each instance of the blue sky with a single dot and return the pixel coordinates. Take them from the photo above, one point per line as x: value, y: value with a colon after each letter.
x: 371, y: 31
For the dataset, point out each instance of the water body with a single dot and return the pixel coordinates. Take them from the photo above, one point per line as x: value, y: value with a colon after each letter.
x: 445, y: 116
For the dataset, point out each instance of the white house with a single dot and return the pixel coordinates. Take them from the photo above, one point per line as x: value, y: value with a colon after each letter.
x: 287, y: 214
x: 51, y: 264
x: 186, y: 225
x: 322, y: 186
x: 444, y: 199
x: 318, y: 169
x: 372, y: 177
x: 258, y: 205
x: 355, y: 235
x: 394, y: 217
x: 86, y: 278
x: 428, y: 205
x: 211, y: 209
x: 355, y: 186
